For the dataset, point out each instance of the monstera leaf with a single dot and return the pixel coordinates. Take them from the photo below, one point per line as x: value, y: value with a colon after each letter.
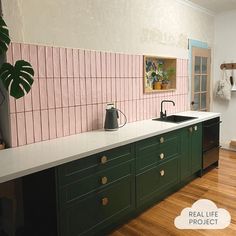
x: 17, y: 79
x: 4, y: 36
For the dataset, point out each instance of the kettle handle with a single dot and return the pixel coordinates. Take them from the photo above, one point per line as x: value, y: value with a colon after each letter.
x: 124, y: 117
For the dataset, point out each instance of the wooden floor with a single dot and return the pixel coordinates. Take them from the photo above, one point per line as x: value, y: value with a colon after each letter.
x: 218, y: 185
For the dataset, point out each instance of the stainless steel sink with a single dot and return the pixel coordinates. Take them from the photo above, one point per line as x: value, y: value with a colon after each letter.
x: 175, y: 118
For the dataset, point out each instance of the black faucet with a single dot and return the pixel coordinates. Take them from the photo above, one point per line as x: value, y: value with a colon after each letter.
x: 163, y: 115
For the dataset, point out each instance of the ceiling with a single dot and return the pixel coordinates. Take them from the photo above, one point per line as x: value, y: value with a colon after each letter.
x: 216, y: 6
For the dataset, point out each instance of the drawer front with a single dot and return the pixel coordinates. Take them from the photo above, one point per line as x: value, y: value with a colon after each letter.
x: 91, y: 214
x: 93, y: 183
x: 84, y: 167
x: 156, y: 150
x: 169, y: 174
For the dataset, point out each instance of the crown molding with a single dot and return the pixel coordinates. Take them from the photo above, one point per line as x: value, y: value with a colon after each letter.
x: 196, y: 7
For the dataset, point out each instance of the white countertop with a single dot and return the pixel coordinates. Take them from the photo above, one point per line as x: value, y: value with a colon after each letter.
x: 20, y: 161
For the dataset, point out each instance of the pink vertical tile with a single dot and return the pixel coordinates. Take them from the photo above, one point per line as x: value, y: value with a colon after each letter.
x: 95, y: 117
x: 126, y: 88
x: 133, y: 66
x: 89, y: 117
x: 12, y: 103
x: 126, y: 65
x: 65, y: 117
x: 93, y: 64
x: 84, y: 119
x: 94, y: 90
x: 49, y: 62
x: 50, y: 93
x: 117, y: 65
x: 88, y: 84
x: 122, y: 65
x: 113, y: 89
x: 87, y: 64
x: 137, y: 66
x: 104, y: 90
x: 9, y: 54
x: 45, y: 125
x: 103, y: 64
x: 71, y: 92
x: 130, y: 104
x: 56, y: 62
x: 37, y: 126
x: 63, y: 63
x: 16, y: 52
x: 72, y: 120
x: 123, y: 89
x: 81, y: 63
x: 43, y: 93
x: 52, y: 123
x: 138, y: 110
x: 76, y: 62
x: 141, y: 66
x: 82, y: 91
x: 134, y: 105
x: 135, y: 89
x: 13, y: 123
x: 185, y: 67
x: 108, y: 89
x: 113, y: 65
x: 59, y: 122
x: 29, y: 127
x: 98, y: 65
x: 118, y: 89
x: 130, y: 87
x: 20, y: 107
x: 41, y: 61
x: 25, y: 52
x: 108, y: 65
x: 78, y: 121
x: 77, y: 91
x: 35, y: 95
x: 99, y: 90
x: 57, y: 91
x: 100, y: 116
x: 28, y: 101
x: 33, y: 54
x: 64, y: 92
x: 130, y: 66
x: 69, y: 60
x: 126, y: 111
x: 21, y: 129
x: 141, y: 114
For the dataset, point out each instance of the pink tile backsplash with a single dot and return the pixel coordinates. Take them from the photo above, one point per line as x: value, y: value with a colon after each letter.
x: 72, y: 87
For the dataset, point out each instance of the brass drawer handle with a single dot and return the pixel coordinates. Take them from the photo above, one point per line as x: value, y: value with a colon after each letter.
x: 105, y: 201
x: 191, y: 129
x: 195, y: 127
x: 162, y: 156
x: 104, y: 180
x: 162, y: 172
x: 103, y: 159
x: 162, y: 140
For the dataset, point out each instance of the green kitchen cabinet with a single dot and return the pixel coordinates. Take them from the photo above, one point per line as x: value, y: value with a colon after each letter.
x: 191, y: 150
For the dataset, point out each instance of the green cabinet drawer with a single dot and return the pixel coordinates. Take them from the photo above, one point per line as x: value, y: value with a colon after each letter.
x: 156, y: 180
x: 84, y: 167
x: 93, y: 213
x: 93, y: 183
x: 155, y: 150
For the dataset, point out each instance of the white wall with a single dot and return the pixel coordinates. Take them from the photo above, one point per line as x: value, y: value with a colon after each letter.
x: 225, y: 51
x: 135, y: 26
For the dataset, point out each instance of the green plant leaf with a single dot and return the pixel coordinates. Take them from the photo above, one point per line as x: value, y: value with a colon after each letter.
x: 4, y: 36
x: 17, y: 79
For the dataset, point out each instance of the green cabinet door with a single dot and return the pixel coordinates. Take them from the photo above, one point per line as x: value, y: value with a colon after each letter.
x: 191, y: 150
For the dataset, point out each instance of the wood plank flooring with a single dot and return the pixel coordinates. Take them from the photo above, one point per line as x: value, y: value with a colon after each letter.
x: 218, y: 185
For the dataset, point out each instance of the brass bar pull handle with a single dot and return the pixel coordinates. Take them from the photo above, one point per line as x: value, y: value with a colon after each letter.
x: 162, y: 172
x: 162, y: 140
x: 162, y: 156
x: 104, y: 180
x: 195, y: 128
x: 105, y: 201
x: 103, y: 159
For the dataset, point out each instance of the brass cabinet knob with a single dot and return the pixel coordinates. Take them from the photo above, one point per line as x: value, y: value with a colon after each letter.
x: 104, y: 180
x: 191, y: 129
x: 105, y: 201
x: 195, y: 127
x: 103, y: 159
x: 162, y: 156
x: 162, y: 140
x: 162, y: 172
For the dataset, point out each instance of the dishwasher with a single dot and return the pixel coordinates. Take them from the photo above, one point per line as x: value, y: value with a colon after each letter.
x: 210, y: 143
